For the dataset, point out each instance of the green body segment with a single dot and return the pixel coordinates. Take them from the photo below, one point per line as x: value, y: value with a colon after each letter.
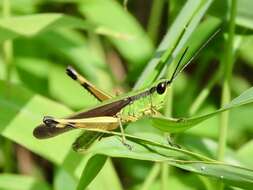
x: 145, y: 105
x: 137, y: 109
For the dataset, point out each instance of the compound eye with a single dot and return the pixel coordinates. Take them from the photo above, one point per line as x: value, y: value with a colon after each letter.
x: 161, y: 87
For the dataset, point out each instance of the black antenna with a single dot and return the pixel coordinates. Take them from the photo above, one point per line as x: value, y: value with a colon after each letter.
x: 175, y: 74
x: 181, y: 59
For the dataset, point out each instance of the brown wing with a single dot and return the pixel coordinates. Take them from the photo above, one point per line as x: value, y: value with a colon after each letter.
x: 43, y: 131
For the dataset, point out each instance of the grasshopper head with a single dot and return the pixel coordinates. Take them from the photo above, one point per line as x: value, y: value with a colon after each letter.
x: 159, y: 92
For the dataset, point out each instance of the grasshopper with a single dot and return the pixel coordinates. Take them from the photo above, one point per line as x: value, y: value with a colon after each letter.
x: 111, y: 113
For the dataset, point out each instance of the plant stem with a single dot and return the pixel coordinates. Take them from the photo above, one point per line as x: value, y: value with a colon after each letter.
x: 154, y: 19
x: 228, y: 66
x: 7, y: 45
x: 223, y: 121
x: 164, y: 175
x: 125, y: 2
x: 8, y: 156
x: 151, y: 176
x: 203, y: 94
x: 8, y: 56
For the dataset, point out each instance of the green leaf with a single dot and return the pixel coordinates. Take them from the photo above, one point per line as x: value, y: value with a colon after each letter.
x: 22, y: 111
x: 33, y: 73
x: 175, y: 39
x: 63, y: 181
x: 102, y: 181
x: 145, y: 146
x: 245, y: 50
x: 22, y: 6
x: 136, y: 48
x: 207, y: 147
x: 246, y: 153
x: 178, y: 125
x: 229, y: 174
x: 178, y: 181
x: 244, y: 14
x: 21, y: 182
x: 151, y: 149
x: 93, y: 166
x: 31, y: 25
x: 74, y: 49
x: 71, y: 94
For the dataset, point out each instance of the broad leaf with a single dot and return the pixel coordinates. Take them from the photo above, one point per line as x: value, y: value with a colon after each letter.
x: 232, y: 175
x: 22, y: 111
x: 150, y: 149
x: 178, y: 125
x: 136, y: 47
x: 93, y: 166
x: 246, y: 153
x: 31, y: 25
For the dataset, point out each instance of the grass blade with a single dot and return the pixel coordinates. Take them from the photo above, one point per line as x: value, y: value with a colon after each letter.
x: 174, y: 40
x: 178, y: 125
x: 92, y: 168
x: 147, y: 149
x: 31, y: 25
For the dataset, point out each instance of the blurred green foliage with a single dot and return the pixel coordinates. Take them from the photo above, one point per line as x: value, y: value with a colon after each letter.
x: 119, y: 49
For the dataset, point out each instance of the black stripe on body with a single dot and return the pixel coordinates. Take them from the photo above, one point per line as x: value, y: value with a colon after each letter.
x: 143, y: 94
